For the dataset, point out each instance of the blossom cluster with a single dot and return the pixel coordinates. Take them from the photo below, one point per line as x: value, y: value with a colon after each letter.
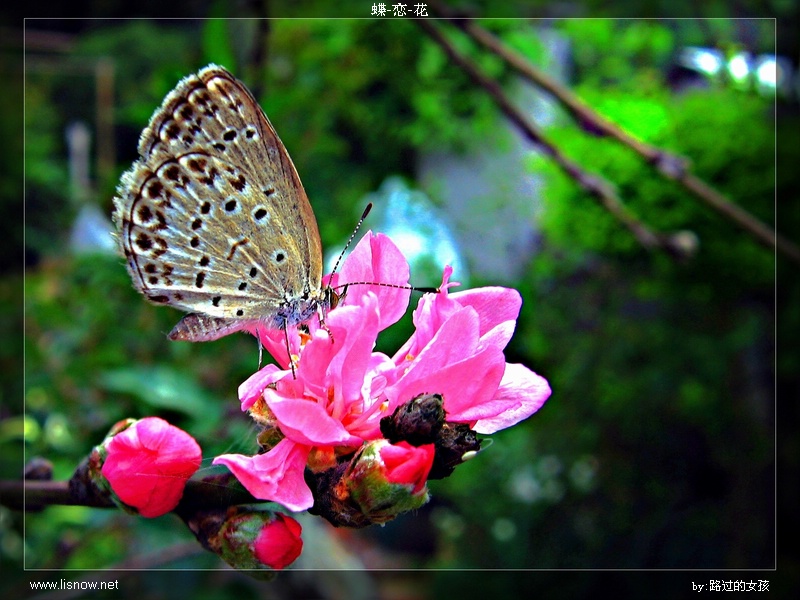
x: 331, y: 411
x: 328, y: 398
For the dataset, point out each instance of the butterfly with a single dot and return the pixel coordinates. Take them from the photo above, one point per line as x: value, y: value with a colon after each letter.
x: 213, y: 219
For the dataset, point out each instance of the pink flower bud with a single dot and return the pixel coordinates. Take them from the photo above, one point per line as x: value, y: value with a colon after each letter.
x: 248, y: 537
x: 388, y: 479
x: 279, y: 544
x: 148, y: 463
x: 407, y: 464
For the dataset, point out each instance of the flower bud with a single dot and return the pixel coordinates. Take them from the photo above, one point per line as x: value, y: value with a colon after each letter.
x: 422, y: 420
x: 279, y: 543
x: 455, y: 444
x: 145, y: 464
x: 388, y: 479
x: 251, y: 539
x: 418, y: 421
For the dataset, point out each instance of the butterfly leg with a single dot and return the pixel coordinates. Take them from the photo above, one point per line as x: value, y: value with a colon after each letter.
x: 289, y: 349
x: 322, y: 323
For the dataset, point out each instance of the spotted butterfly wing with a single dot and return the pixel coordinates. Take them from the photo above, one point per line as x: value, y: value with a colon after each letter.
x: 213, y: 218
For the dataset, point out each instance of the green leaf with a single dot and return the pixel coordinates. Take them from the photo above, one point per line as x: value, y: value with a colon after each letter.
x: 163, y: 387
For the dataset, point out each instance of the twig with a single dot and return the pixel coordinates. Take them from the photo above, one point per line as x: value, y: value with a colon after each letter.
x: 35, y: 495
x: 595, y: 185
x: 668, y: 164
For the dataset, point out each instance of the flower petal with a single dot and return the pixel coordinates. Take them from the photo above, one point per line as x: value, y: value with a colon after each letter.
x: 341, y: 365
x: 408, y: 465
x: 307, y: 422
x: 455, y: 339
x: 274, y: 341
x: 467, y: 386
x: 252, y: 389
x: 521, y: 393
x: 277, y: 475
x: 499, y: 335
x: 495, y: 305
x: 279, y: 543
x: 376, y: 259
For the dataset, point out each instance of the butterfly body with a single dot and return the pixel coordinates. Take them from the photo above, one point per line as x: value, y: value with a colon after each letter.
x: 213, y: 218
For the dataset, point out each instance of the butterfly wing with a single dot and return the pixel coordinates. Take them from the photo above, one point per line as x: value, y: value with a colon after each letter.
x: 213, y: 218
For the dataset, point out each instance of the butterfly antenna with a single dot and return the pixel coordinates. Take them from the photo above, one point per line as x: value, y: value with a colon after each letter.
x: 352, y: 236
x: 413, y: 288
x: 366, y: 212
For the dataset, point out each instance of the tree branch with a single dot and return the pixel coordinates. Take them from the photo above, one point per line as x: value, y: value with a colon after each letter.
x: 36, y: 495
x: 667, y: 164
x: 600, y: 189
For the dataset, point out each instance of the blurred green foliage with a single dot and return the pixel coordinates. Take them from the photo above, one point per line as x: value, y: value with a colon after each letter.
x: 656, y: 448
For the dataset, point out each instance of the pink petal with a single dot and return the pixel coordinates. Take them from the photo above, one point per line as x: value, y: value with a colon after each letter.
x: 341, y: 365
x: 350, y: 365
x: 277, y: 476
x: 455, y: 340
x: 467, y: 385
x: 499, y: 335
x: 455, y: 365
x: 251, y: 390
x: 433, y: 310
x: 312, y: 372
x: 307, y: 422
x: 274, y: 341
x: 408, y: 465
x: 522, y: 392
x: 495, y: 305
x: 497, y: 308
x: 376, y: 259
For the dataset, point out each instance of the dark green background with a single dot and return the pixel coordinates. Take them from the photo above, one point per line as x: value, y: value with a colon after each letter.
x: 657, y: 449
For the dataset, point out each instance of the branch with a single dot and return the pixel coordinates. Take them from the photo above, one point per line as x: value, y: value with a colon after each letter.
x: 667, y: 164
x: 600, y: 189
x: 35, y: 495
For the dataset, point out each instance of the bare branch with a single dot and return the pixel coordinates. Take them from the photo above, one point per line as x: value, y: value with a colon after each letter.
x: 79, y: 491
x: 667, y: 164
x: 600, y: 189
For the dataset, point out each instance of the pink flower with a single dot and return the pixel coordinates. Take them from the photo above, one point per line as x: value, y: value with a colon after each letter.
x: 333, y: 404
x: 279, y: 543
x: 375, y: 259
x: 148, y: 464
x: 457, y: 351
x: 325, y: 406
x: 521, y: 393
